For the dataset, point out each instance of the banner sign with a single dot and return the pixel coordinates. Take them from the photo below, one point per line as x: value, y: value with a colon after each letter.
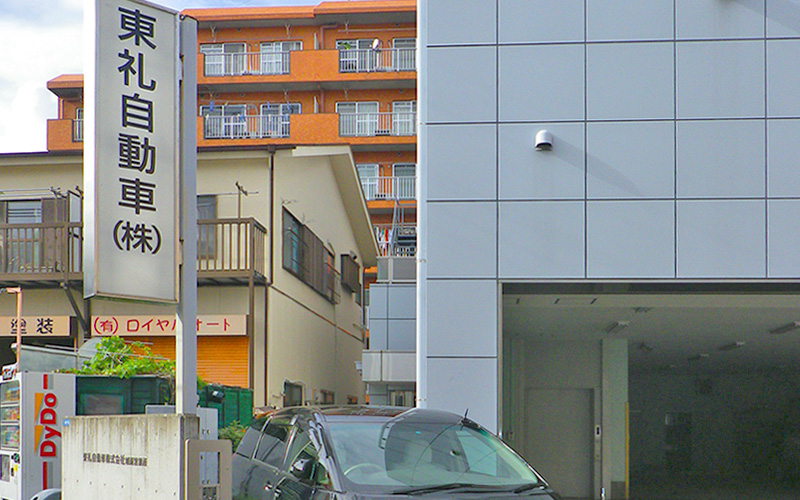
x: 164, y: 325
x: 35, y: 326
x: 131, y: 151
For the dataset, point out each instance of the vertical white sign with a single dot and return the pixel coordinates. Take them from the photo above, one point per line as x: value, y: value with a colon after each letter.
x: 131, y: 151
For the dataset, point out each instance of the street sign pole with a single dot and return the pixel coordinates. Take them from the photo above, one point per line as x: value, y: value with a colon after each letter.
x: 186, y: 311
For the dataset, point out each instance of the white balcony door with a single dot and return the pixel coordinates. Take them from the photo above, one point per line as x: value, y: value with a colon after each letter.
x: 274, y: 60
x: 357, y: 55
x: 223, y: 58
x: 404, y: 117
x: 224, y: 122
x: 368, y: 173
x: 357, y: 118
x: 404, y: 177
x: 275, y: 118
x: 404, y: 54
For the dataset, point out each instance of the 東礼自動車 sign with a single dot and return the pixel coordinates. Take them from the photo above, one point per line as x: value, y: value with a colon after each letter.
x: 131, y: 151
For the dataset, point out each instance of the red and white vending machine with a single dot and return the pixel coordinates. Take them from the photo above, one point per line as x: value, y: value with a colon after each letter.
x: 32, y: 409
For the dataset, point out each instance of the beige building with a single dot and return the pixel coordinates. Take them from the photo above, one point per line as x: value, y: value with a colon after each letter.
x: 283, y: 236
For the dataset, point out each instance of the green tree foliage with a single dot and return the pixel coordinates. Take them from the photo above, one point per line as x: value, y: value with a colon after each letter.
x: 122, y: 359
x: 233, y: 432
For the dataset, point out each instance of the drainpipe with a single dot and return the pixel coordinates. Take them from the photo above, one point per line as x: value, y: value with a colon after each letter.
x: 270, y: 268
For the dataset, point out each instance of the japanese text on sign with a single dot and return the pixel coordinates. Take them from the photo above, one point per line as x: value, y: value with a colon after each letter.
x: 155, y: 325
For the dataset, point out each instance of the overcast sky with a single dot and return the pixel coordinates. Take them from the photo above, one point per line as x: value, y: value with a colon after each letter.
x: 42, y: 39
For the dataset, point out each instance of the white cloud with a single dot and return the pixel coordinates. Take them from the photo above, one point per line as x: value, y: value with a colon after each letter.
x: 42, y: 43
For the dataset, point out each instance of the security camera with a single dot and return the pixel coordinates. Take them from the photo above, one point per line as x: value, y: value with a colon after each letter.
x: 543, y: 141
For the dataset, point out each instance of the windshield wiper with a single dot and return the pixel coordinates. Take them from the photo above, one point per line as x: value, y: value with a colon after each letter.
x: 422, y: 490
x: 529, y: 486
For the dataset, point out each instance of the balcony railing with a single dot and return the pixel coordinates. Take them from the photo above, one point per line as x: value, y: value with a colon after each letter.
x: 227, y: 249
x: 246, y: 126
x: 396, y: 240
x: 389, y: 188
x: 374, y: 60
x: 377, y: 124
x: 246, y: 63
x: 77, y: 130
x: 230, y: 247
x: 43, y: 250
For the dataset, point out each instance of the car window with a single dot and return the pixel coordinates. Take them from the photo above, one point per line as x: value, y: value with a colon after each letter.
x: 272, y: 446
x: 303, y: 459
x: 248, y: 443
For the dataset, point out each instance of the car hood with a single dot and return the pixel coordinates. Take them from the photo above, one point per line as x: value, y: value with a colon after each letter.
x: 545, y: 494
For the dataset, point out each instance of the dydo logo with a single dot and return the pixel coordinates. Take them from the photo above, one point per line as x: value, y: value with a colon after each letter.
x: 47, y: 434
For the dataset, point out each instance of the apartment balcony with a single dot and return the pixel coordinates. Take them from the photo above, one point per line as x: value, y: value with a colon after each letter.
x: 378, y: 124
x: 307, y: 70
x: 246, y: 63
x: 359, y: 130
x: 64, y: 135
x: 396, y: 240
x: 389, y: 188
x: 377, y: 60
x: 42, y: 254
x: 229, y: 251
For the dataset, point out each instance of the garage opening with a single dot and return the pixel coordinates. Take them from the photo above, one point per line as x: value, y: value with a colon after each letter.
x: 711, y: 378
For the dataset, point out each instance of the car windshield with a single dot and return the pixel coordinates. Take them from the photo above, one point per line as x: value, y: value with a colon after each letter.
x: 418, y: 451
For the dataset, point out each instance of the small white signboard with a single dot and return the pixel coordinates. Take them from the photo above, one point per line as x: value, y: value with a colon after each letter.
x: 131, y: 151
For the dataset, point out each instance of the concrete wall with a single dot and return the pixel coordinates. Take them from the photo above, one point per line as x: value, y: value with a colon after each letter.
x: 125, y: 457
x: 672, y: 156
x: 392, y: 317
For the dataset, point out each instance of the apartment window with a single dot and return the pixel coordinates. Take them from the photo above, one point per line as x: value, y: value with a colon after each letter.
x: 358, y: 118
x: 275, y: 118
x: 305, y: 256
x: 404, y: 54
x: 404, y: 118
x: 77, y: 126
x: 220, y: 59
x: 292, y: 394
x: 356, y: 55
x: 368, y: 174
x: 350, y: 274
x: 227, y: 121
x: 405, y: 180
x: 206, y: 237
x: 275, y: 56
x: 327, y: 397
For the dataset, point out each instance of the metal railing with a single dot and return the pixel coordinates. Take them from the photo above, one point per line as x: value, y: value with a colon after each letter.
x: 227, y: 246
x: 376, y: 60
x: 245, y: 126
x: 396, y: 240
x: 378, y: 124
x: 246, y: 63
x: 40, y: 249
x: 77, y: 130
x: 389, y: 188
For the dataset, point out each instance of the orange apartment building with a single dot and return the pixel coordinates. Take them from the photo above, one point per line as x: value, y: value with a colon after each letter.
x: 339, y: 73
x: 336, y: 75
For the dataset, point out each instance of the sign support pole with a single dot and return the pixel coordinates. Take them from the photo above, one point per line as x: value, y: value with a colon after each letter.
x: 186, y: 311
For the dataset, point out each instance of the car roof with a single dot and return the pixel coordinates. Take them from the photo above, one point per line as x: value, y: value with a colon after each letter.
x: 350, y: 413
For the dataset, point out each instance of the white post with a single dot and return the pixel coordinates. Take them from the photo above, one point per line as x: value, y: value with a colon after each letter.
x: 186, y: 312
